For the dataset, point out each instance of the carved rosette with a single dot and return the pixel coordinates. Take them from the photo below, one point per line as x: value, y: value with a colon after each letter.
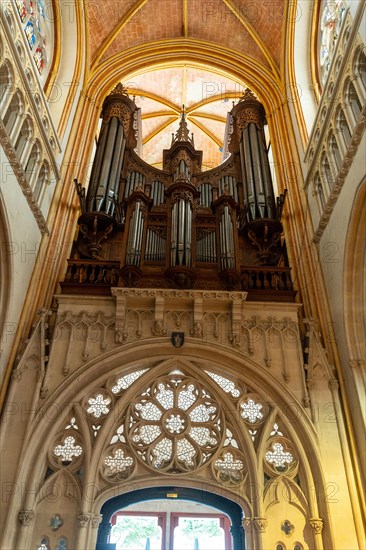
x: 26, y: 517
x: 317, y: 525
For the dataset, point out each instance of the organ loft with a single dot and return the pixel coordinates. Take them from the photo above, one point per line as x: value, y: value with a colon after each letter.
x: 180, y: 227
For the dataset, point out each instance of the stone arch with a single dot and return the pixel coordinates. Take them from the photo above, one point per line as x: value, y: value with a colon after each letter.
x: 220, y: 502
x: 354, y: 277
x: 51, y: 417
x: 354, y: 282
x: 6, y: 270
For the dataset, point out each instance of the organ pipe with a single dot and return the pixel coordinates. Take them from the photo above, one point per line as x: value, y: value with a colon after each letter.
x: 133, y: 256
x: 226, y: 240
x: 106, y: 169
x: 256, y: 174
x: 181, y: 234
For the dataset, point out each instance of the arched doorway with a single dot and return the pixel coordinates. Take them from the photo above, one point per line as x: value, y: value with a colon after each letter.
x: 228, y: 507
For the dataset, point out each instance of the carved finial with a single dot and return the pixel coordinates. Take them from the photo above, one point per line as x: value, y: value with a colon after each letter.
x: 248, y: 94
x: 182, y: 133
x: 119, y: 89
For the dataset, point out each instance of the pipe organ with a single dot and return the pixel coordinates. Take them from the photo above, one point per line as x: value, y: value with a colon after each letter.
x: 180, y: 226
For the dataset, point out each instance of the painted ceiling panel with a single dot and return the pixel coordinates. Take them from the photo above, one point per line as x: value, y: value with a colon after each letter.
x: 214, y: 22
x: 267, y: 18
x: 156, y: 20
x: 102, y: 19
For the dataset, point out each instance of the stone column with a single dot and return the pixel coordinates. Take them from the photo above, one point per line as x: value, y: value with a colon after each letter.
x: 25, y: 518
x: 317, y: 527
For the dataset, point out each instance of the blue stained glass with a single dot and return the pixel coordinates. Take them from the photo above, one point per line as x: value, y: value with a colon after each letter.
x: 41, y: 8
x: 62, y: 544
x: 29, y: 32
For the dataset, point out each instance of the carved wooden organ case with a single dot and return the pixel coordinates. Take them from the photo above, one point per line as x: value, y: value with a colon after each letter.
x: 180, y: 227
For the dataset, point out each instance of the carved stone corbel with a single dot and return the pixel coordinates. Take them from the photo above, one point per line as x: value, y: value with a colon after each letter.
x: 120, y: 325
x: 317, y: 525
x: 235, y: 322
x: 260, y: 524
x: 96, y: 520
x: 159, y: 322
x: 247, y: 524
x: 197, y: 317
x: 84, y: 519
x: 26, y: 517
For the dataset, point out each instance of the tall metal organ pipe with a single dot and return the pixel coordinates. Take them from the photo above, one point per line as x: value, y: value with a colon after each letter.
x: 257, y: 181
x: 117, y: 115
x: 104, y: 181
x: 133, y: 256
x: 181, y: 235
x: 226, y: 231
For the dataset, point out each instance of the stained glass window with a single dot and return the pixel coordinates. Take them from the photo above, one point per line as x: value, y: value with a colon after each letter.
x: 125, y: 381
x: 251, y: 411
x: 98, y: 405
x: 29, y: 33
x: 118, y: 464
x: 44, y: 544
x: 38, y: 58
x: 37, y: 22
x: 278, y: 457
x: 22, y: 9
x: 62, y: 544
x: 68, y: 451
x: 227, y: 385
x: 175, y: 425
x: 330, y: 22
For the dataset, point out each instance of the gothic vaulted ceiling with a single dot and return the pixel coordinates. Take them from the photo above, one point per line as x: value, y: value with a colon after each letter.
x: 251, y: 27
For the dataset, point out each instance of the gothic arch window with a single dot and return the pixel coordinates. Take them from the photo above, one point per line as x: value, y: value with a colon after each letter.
x: 13, y: 112
x: 42, y: 180
x: 44, y: 544
x: 331, y: 17
x: 37, y: 20
x: 359, y: 67
x: 328, y: 175
x: 24, y: 137
x: 352, y: 102
x: 33, y: 158
x: 318, y: 188
x: 62, y: 544
x: 6, y: 83
x: 334, y: 150
x: 343, y: 128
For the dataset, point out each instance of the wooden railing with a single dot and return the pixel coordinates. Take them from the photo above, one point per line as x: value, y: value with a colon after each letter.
x: 90, y: 276
x: 268, y: 283
x: 271, y: 284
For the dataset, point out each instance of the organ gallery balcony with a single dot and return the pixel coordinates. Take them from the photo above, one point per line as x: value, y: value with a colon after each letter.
x: 96, y: 278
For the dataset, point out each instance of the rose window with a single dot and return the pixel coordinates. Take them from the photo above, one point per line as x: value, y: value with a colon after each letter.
x: 175, y: 425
